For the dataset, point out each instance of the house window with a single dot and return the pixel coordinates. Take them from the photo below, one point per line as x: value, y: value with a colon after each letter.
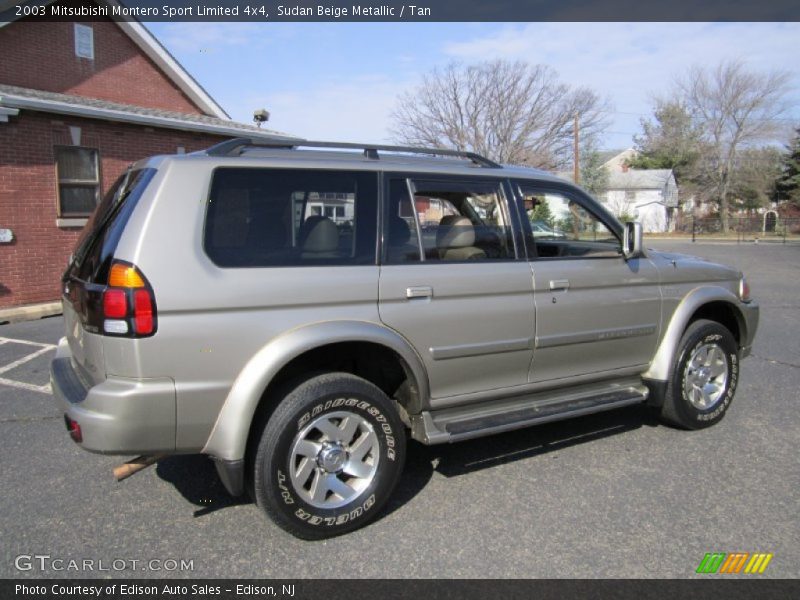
x: 84, y: 41
x: 78, y: 180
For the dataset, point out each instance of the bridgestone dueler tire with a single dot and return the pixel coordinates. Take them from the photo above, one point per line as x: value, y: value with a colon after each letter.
x: 329, y: 394
x: 678, y: 410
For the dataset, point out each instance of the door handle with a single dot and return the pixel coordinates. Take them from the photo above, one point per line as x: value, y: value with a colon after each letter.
x: 423, y: 291
x: 559, y: 284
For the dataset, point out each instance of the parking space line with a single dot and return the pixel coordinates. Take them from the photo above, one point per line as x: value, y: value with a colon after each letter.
x: 42, y: 349
x: 5, y: 340
x: 44, y: 389
x: 24, y: 359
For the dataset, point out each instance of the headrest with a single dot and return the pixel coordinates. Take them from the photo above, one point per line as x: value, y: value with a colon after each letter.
x: 319, y: 235
x: 455, y: 231
x: 399, y: 232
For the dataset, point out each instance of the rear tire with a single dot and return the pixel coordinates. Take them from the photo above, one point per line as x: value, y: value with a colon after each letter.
x: 703, y: 378
x: 329, y: 457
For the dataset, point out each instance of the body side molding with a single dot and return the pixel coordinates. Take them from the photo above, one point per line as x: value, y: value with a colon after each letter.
x: 463, y: 350
x: 597, y: 335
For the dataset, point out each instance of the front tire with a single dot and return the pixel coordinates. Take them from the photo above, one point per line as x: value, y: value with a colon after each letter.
x: 329, y: 457
x: 704, y: 376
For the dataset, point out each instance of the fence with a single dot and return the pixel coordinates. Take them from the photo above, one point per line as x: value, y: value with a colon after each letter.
x: 742, y: 229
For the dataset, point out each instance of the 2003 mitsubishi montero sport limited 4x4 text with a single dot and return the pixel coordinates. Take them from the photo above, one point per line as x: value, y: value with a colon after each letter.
x: 295, y: 311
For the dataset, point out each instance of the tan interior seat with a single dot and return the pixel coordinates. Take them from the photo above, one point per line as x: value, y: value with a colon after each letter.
x: 455, y: 239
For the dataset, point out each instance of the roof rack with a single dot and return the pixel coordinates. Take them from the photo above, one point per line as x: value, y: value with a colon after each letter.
x: 236, y: 146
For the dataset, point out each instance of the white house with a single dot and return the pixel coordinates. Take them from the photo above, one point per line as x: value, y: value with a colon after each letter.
x: 649, y: 196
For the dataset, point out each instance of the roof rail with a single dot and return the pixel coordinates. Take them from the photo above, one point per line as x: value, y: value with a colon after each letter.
x: 236, y: 146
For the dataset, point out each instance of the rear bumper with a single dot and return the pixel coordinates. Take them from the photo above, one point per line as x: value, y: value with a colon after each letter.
x: 119, y: 415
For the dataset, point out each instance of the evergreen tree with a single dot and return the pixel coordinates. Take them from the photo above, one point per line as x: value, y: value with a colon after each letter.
x: 787, y: 185
x: 672, y: 141
x: 541, y: 212
x: 594, y: 176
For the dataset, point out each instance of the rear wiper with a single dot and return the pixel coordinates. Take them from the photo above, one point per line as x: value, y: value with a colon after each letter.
x: 123, y: 191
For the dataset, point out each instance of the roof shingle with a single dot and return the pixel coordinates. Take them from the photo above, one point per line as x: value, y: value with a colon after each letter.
x: 15, y: 97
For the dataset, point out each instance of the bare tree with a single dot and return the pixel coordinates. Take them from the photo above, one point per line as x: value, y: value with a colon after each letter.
x: 511, y: 112
x: 736, y: 108
x: 622, y: 205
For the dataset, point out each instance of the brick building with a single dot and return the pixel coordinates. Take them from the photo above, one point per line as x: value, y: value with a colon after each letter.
x: 79, y: 102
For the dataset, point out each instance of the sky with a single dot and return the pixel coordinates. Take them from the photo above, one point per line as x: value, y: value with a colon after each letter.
x: 340, y: 81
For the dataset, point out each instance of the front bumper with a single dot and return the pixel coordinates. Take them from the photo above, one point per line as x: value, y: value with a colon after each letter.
x: 750, y: 313
x: 119, y: 415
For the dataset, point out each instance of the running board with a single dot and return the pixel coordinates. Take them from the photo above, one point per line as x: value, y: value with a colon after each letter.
x: 463, y: 423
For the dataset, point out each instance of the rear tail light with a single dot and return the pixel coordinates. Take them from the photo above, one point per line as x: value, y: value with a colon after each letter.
x: 125, y: 276
x: 142, y: 312
x: 74, y: 429
x: 115, y: 304
x: 129, y: 306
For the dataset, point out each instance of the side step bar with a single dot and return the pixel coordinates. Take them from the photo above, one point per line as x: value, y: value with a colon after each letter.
x: 463, y: 423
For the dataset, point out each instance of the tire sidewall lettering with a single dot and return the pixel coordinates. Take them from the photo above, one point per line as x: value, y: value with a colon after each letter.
x: 363, y: 405
x: 286, y: 493
x: 338, y: 519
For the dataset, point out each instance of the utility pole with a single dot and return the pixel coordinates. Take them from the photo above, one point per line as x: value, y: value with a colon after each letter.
x: 576, y: 152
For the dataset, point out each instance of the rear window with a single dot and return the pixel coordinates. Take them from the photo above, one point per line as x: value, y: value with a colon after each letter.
x: 290, y: 217
x: 95, y: 249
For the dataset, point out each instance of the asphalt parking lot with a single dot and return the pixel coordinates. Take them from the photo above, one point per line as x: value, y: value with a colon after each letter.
x: 610, y: 495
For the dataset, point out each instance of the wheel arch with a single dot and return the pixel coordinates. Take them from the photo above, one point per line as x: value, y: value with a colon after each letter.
x: 280, y: 361
x: 708, y: 302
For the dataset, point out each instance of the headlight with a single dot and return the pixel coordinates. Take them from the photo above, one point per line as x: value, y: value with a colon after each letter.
x: 744, y: 290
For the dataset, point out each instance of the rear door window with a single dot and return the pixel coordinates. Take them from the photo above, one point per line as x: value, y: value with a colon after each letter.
x: 291, y: 217
x: 447, y: 220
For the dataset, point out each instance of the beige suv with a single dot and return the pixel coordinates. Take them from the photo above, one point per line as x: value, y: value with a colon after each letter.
x: 295, y: 310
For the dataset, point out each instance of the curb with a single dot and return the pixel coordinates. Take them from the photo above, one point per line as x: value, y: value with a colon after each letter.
x: 29, y: 312
x: 720, y: 241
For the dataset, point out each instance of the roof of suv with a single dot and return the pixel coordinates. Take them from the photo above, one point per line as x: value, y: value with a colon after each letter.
x: 327, y: 155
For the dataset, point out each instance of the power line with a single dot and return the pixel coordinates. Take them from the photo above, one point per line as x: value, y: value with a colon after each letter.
x: 698, y: 118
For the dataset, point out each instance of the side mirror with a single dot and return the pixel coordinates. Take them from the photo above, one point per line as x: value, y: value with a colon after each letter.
x: 632, y: 240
